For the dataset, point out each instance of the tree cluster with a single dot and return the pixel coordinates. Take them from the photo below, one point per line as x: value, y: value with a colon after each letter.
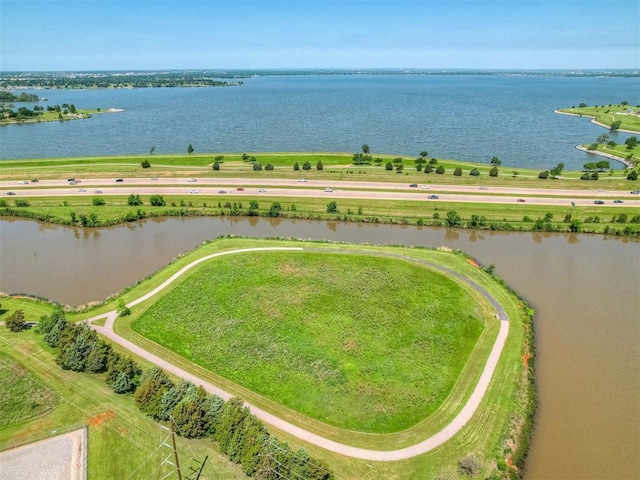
x: 241, y: 436
x: 6, y: 96
x: 80, y: 350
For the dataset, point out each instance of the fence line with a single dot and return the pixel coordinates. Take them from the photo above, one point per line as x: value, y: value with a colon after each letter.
x: 19, y: 442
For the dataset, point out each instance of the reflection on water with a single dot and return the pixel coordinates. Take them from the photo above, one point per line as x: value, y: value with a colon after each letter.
x: 584, y: 289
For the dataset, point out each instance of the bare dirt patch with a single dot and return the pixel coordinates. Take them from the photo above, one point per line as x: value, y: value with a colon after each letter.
x: 98, y: 420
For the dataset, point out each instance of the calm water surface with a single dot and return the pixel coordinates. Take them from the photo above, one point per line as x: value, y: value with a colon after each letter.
x: 584, y: 289
x: 463, y: 117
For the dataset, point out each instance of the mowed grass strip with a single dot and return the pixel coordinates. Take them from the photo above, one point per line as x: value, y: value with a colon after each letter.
x: 357, y: 341
x: 22, y: 397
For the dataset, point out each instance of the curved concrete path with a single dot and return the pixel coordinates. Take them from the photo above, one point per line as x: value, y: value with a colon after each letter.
x: 426, y: 445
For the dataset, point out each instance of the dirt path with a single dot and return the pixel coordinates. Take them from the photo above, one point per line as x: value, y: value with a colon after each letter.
x: 426, y: 445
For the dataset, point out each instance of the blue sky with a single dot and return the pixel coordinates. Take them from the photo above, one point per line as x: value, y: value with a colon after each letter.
x: 228, y: 34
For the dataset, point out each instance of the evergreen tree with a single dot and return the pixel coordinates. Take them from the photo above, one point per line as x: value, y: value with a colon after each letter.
x: 99, y: 357
x: 56, y: 330
x: 255, y: 437
x: 228, y: 433
x: 154, y: 382
x: 172, y: 397
x: 190, y: 415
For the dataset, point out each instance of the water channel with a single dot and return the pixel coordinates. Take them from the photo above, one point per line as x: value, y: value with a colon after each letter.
x: 584, y: 289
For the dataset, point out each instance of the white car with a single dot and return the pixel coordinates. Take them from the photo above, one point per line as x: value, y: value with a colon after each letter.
x: 302, y: 180
x: 328, y: 190
x: 23, y: 182
x: 82, y: 190
x: 425, y: 187
x: 194, y: 191
x: 191, y: 180
x: 262, y: 190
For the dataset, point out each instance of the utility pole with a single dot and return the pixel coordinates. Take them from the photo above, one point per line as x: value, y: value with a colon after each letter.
x: 175, y: 450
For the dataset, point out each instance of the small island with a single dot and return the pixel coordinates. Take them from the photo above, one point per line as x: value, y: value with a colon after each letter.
x: 47, y: 114
x: 8, y: 97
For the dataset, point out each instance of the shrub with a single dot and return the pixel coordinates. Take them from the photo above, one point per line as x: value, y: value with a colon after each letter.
x: 469, y: 465
x: 123, y: 310
x: 457, y: 172
x: 21, y: 202
x: 633, y: 175
x: 544, y: 174
x: 440, y: 170
x: 274, y: 210
x: 145, y: 164
x: 16, y: 322
x: 134, y: 200
x: 157, y: 201
x: 474, y: 172
x: 493, y: 172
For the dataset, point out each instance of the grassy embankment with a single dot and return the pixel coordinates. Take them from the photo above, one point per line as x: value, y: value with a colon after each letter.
x: 505, y: 409
x: 337, y: 168
x: 123, y: 443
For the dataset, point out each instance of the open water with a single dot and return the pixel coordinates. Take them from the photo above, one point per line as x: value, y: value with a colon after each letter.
x: 466, y: 117
x: 583, y: 287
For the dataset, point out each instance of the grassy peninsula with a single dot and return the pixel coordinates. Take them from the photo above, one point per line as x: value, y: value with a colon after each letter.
x: 491, y: 444
x: 622, y: 116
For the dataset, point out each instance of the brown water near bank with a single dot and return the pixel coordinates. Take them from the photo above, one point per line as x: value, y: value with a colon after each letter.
x: 584, y: 289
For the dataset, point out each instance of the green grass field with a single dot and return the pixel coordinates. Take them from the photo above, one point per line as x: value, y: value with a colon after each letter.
x: 356, y: 341
x: 22, y: 397
x: 607, y: 114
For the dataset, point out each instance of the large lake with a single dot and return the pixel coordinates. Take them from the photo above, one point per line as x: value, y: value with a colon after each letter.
x: 584, y: 288
x: 466, y: 117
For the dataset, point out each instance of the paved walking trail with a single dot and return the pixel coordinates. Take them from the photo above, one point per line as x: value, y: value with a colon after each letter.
x: 426, y: 445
